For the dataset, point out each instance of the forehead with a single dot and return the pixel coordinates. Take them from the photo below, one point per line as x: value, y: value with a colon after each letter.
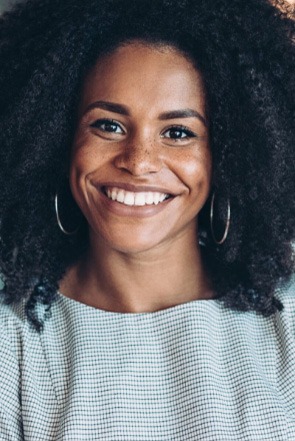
x: 137, y: 73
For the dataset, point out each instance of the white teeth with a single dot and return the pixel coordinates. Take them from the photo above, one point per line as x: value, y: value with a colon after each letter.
x: 156, y: 198
x: 129, y: 198
x: 114, y: 194
x: 120, y: 196
x: 149, y: 198
x: 138, y: 199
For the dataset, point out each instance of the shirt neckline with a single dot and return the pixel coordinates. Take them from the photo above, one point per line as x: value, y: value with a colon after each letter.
x: 170, y: 309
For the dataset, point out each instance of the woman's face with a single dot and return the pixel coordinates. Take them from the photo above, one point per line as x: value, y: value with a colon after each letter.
x: 141, y: 165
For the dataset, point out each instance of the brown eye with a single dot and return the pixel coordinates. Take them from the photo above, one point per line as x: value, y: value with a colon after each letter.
x: 107, y: 125
x: 178, y: 132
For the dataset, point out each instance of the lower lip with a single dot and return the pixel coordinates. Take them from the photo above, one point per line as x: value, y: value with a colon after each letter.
x: 132, y: 210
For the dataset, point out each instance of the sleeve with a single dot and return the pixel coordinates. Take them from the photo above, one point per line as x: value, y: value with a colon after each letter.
x: 10, y: 406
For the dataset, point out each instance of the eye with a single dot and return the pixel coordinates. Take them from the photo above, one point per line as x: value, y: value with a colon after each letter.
x: 107, y: 125
x: 179, y: 133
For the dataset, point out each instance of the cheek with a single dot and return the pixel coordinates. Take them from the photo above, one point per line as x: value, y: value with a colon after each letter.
x: 197, y: 171
x: 81, y: 167
x: 85, y: 158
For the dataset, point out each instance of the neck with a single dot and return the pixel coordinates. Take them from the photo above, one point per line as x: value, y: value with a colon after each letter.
x: 139, y: 282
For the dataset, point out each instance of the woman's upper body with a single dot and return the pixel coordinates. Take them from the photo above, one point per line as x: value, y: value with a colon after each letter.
x: 148, y: 169
x: 196, y: 109
x: 192, y: 371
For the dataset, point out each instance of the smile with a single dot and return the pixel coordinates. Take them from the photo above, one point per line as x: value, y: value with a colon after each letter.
x: 138, y: 199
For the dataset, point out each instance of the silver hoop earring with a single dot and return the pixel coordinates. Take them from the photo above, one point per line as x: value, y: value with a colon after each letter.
x: 68, y: 233
x: 222, y: 240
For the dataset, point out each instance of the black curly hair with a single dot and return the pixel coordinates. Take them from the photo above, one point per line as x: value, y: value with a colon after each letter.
x: 246, y: 55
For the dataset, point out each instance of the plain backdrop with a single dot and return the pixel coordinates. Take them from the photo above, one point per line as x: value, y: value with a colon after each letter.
x: 6, y: 4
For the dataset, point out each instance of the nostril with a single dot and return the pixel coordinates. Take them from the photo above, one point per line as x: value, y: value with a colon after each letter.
x: 138, y: 161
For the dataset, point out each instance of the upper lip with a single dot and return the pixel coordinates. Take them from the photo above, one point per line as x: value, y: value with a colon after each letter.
x: 134, y: 188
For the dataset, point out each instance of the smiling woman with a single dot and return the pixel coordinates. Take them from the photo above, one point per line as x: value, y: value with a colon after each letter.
x: 140, y: 172
x: 146, y: 221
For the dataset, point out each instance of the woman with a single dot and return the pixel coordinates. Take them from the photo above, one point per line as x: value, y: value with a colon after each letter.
x: 147, y: 217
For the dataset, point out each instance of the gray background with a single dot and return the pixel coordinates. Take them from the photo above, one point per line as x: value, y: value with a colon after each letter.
x: 6, y: 4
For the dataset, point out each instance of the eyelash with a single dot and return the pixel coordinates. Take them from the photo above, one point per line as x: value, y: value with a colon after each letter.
x: 96, y: 124
x: 180, y: 128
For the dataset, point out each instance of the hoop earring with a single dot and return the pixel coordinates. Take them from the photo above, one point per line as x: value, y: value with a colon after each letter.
x: 68, y: 233
x: 222, y: 240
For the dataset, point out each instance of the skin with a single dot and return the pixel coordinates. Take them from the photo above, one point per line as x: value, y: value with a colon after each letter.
x: 286, y: 6
x: 150, y: 261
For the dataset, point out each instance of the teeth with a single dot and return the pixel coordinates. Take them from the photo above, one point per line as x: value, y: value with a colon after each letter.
x: 149, y: 198
x: 137, y: 199
x: 129, y: 198
x: 120, y: 196
x: 114, y: 194
x: 157, y: 198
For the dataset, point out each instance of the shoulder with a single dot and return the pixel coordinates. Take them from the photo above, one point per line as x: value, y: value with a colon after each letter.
x: 286, y: 293
x: 285, y: 319
x: 12, y: 314
x: 12, y: 324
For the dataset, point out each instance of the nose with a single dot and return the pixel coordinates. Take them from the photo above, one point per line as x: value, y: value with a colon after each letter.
x: 139, y: 157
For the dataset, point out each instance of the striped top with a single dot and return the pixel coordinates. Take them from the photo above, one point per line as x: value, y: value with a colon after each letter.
x: 196, y: 371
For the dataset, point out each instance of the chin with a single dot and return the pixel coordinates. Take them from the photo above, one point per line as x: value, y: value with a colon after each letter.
x: 134, y: 247
x: 132, y: 243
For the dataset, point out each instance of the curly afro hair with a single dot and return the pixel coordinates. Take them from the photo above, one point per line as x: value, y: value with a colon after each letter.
x: 245, y: 53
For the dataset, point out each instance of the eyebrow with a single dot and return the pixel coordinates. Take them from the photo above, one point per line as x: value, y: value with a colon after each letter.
x: 184, y: 113
x: 111, y: 107
x: 123, y: 110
